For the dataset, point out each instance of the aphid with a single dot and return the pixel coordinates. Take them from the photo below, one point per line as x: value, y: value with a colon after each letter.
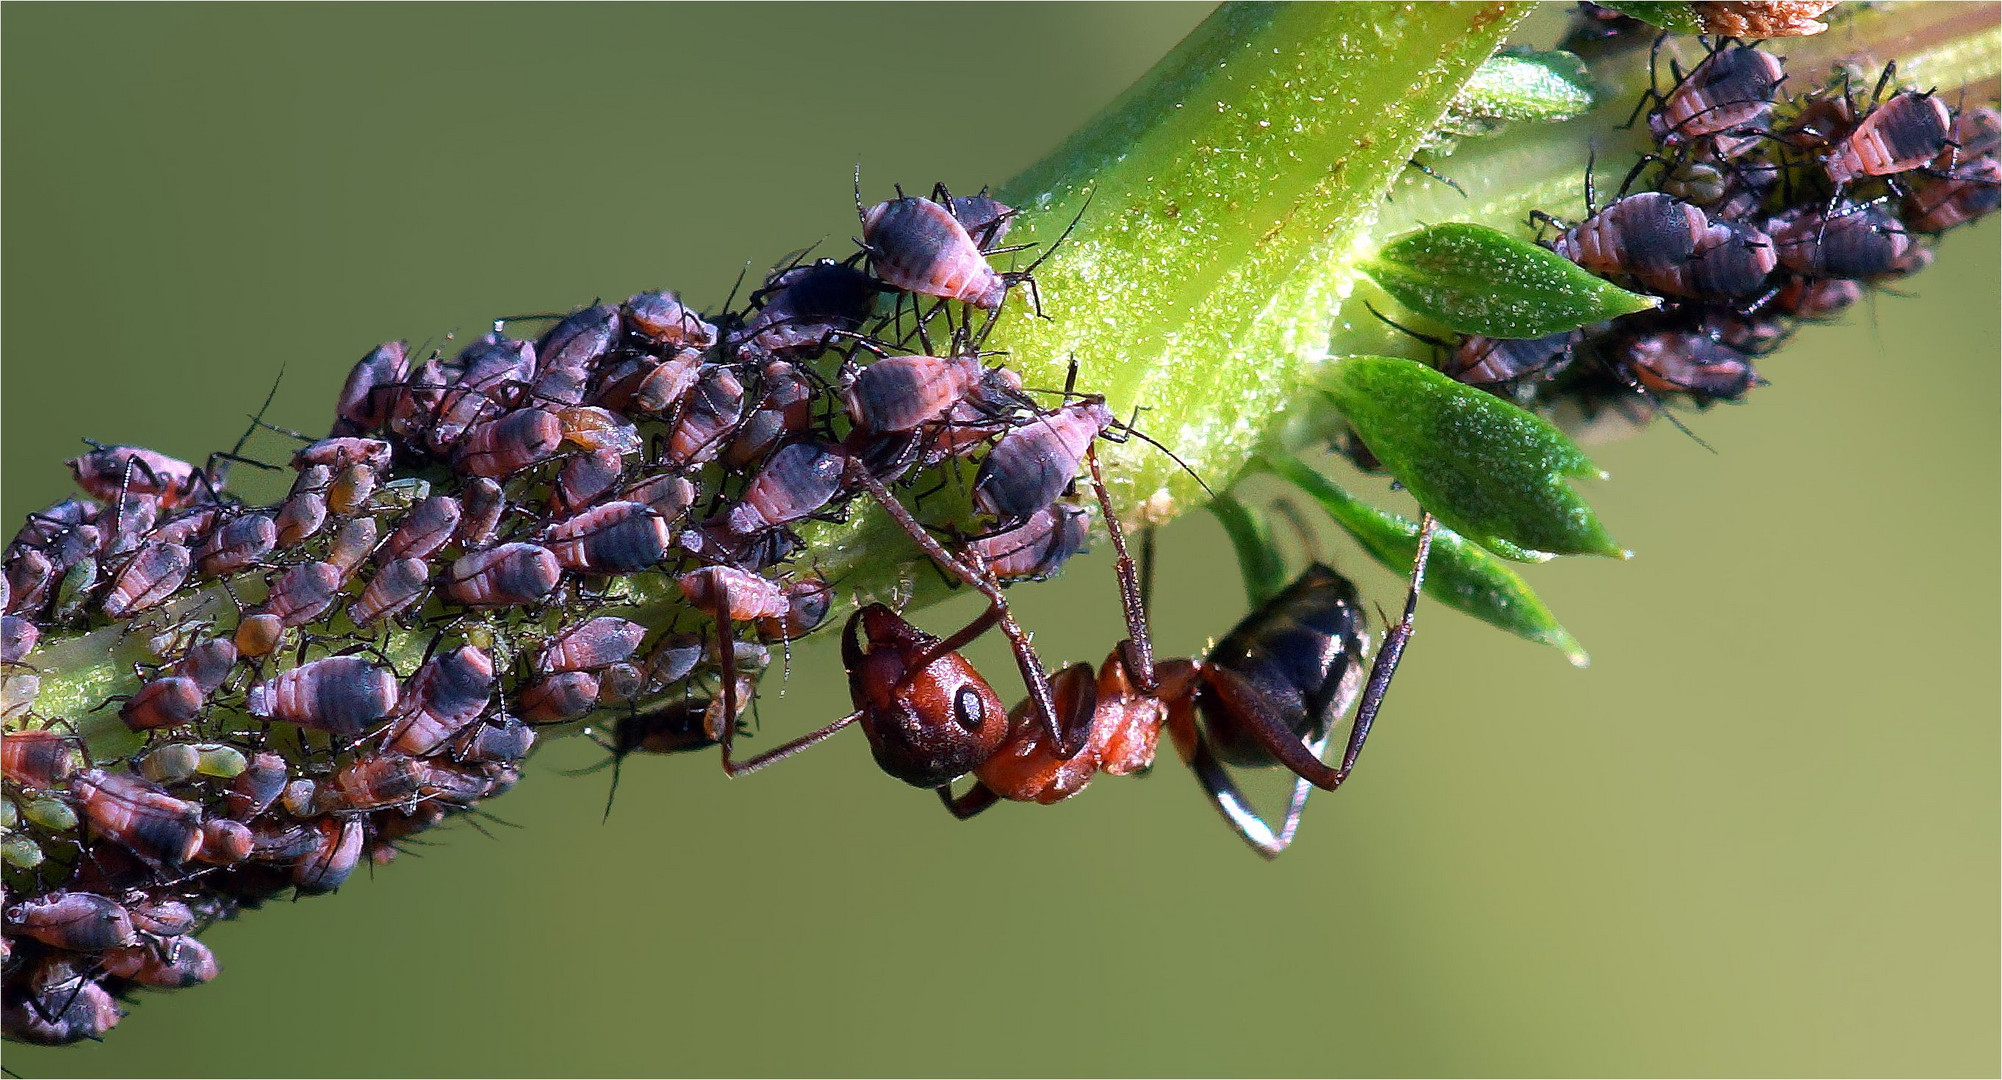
x: 742, y: 595
x: 370, y: 782
x: 489, y: 368
x: 237, y: 544
x: 797, y: 482
x: 1037, y: 548
x: 1732, y: 260
x: 1692, y: 362
x: 1742, y: 19
x: 254, y: 789
x: 351, y: 544
x: 122, y: 524
x: 18, y: 851
x: 225, y: 842
x: 79, y: 921
x: 208, y: 663
x: 1906, y: 132
x: 258, y: 635
x: 562, y: 696
x: 286, y: 842
x: 481, y: 503
x: 38, y: 759
x: 984, y: 217
x: 147, y: 580
x: 30, y: 579
x: 1031, y: 464
x: 59, y: 1007
x: 591, y: 645
x: 1935, y: 204
x: 660, y: 318
x: 505, y: 446
x: 586, y: 477
x: 808, y: 601
x: 580, y: 340
x: 340, y: 695
x: 591, y: 428
x: 304, y: 593
x: 505, y: 740
x: 1640, y: 233
x: 157, y: 827
x: 508, y: 575
x: 616, y: 538
x: 166, y: 702
x: 784, y: 409
x: 620, y: 684
x: 220, y: 760
x: 333, y: 857
x: 171, y: 966
x: 673, y: 659
x: 298, y: 797
x: 50, y: 813
x: 78, y: 583
x: 662, y: 390
x: 1728, y: 99
x: 449, y: 692
x: 1858, y: 241
x: 108, y: 470
x: 340, y: 453
x: 667, y: 493
x: 917, y: 246
x: 712, y: 412
x: 349, y: 493
x: 801, y: 308
x: 371, y: 389
x: 17, y: 638
x: 393, y: 589
x: 427, y: 527
x: 899, y: 393
x: 305, y: 509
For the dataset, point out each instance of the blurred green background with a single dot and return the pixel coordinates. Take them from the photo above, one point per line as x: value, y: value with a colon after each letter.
x: 1758, y: 836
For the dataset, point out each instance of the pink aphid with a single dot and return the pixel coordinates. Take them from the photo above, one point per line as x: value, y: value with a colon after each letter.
x: 104, y: 472
x: 615, y: 538
x: 594, y: 644
x: 917, y: 245
x: 340, y: 695
x: 146, y: 581
x: 447, y: 693
x: 742, y: 595
x: 507, y: 575
x: 393, y: 589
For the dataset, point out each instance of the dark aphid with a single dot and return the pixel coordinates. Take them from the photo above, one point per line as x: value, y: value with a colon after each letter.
x: 1639, y: 233
x: 615, y: 538
x: 491, y: 370
x: 1732, y: 260
x: 505, y: 446
x: 1037, y: 548
x: 481, y: 503
x: 166, y: 702
x: 31, y: 580
x: 333, y: 857
x: 370, y: 782
x: 208, y: 662
x: 17, y: 638
x: 351, y: 545
x: 1905, y: 132
x: 591, y: 645
x: 449, y: 692
x: 712, y: 411
x: 1857, y: 241
x: 146, y: 581
x: 78, y: 921
x: 1728, y: 98
x: 59, y: 1007
x: 225, y: 842
x: 44, y: 526
x: 562, y: 696
x: 305, y: 509
x: 917, y: 246
x: 340, y: 695
x: 1495, y: 362
x: 254, y: 789
x: 107, y: 471
x: 497, y: 741
x: 899, y: 393
x: 660, y: 318
x: 784, y: 409
x: 1691, y: 362
x: 304, y: 593
x: 157, y: 827
x: 187, y: 526
x: 662, y: 390
x: 585, y: 478
x: 673, y: 659
x: 258, y: 635
x: 121, y: 525
x: 371, y: 389
x: 298, y: 797
x: 1033, y: 462
x: 427, y: 527
x: 1934, y: 204
x: 669, y: 495
x: 504, y: 576
x: 797, y: 482
x: 453, y: 785
x: 163, y: 917
x: 339, y: 453
x: 808, y: 601
x: 38, y: 759
x: 801, y: 308
x: 237, y: 544
x: 744, y: 596
x: 173, y: 965
x: 984, y: 217
x: 283, y: 841
x: 579, y: 341
x: 1812, y: 299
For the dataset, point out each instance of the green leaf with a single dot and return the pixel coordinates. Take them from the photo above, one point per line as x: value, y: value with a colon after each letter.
x: 1520, y: 85
x: 1258, y: 557
x: 1461, y: 575
x: 1680, y: 17
x: 1479, y: 280
x: 1488, y: 470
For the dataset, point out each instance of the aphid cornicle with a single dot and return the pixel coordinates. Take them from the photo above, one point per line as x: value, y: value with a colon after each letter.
x: 107, y: 471
x: 79, y: 921
x: 449, y: 692
x: 340, y: 695
x: 616, y: 538
x: 427, y: 527
x: 518, y: 573
x: 371, y: 389
x: 147, y: 579
x: 238, y: 543
x: 157, y: 827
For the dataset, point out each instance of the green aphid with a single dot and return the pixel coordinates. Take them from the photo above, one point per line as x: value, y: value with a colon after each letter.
x: 1516, y: 86
x: 51, y: 814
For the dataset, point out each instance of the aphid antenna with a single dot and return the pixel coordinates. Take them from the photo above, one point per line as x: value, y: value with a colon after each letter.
x: 1127, y: 430
x: 1660, y: 408
x: 1289, y: 512
x: 1437, y: 343
x: 1428, y: 170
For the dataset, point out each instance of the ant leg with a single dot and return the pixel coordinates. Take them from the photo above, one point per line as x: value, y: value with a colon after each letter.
x: 726, y: 652
x: 1389, y: 654
x: 1068, y: 743
x: 1229, y: 799
x: 1138, y: 648
x: 964, y: 807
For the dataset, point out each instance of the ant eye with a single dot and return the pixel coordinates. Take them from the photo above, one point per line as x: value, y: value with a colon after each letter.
x: 968, y: 709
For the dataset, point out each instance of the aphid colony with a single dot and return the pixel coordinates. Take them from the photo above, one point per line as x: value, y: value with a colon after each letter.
x: 511, y: 508
x: 1756, y: 211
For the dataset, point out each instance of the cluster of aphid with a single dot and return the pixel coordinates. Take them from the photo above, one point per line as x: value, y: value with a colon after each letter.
x: 499, y: 506
x: 1758, y: 211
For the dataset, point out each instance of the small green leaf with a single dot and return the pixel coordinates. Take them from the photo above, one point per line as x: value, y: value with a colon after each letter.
x: 1675, y: 15
x: 1520, y: 85
x: 1461, y: 575
x: 1488, y: 470
x: 1258, y: 557
x: 1479, y: 280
